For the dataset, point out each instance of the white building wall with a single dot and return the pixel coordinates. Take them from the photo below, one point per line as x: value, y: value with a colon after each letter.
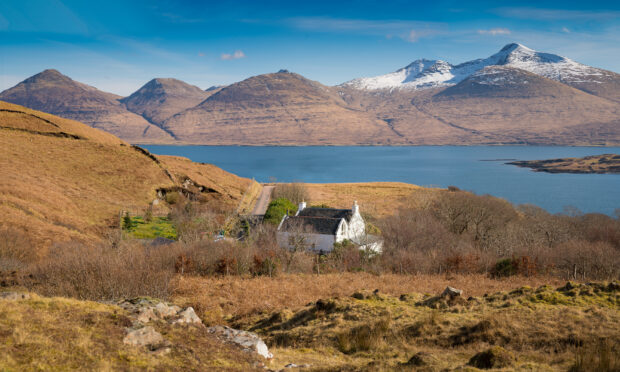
x: 313, y: 242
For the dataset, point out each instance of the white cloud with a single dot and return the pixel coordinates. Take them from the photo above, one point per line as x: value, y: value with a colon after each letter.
x: 565, y: 30
x: 495, y: 31
x: 236, y: 55
x: 413, y: 36
x: 410, y: 31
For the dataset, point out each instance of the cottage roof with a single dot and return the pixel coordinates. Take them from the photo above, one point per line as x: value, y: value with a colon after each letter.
x: 327, y: 213
x: 311, y: 224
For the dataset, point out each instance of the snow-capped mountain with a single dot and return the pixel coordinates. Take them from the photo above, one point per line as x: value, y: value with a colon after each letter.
x: 423, y: 73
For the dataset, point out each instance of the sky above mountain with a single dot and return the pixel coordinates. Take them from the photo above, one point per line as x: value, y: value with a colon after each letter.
x: 119, y: 45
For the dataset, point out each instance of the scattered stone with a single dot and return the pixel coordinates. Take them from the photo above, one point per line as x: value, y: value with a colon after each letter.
x: 146, y: 315
x: 166, y: 311
x: 248, y: 341
x: 421, y: 359
x: 495, y: 357
x: 188, y: 316
x: 12, y: 296
x: 145, y: 336
x: 452, y: 292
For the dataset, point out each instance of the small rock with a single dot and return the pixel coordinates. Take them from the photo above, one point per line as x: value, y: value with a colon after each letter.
x: 11, y: 296
x: 452, y: 292
x: 358, y: 296
x: 188, y: 316
x: 248, y: 341
x: 166, y: 311
x: 145, y: 336
x: 146, y: 315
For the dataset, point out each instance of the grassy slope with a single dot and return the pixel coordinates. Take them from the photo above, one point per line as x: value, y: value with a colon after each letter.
x: 60, y: 188
x: 229, y: 186
x: 540, y: 326
x: 64, y: 334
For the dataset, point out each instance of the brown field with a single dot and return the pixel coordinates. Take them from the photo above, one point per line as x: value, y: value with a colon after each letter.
x: 310, y: 319
x: 218, y: 299
x: 378, y: 199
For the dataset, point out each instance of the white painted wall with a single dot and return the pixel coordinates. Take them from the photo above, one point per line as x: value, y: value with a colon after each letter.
x: 313, y: 242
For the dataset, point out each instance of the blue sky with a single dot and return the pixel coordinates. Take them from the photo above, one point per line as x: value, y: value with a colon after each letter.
x: 118, y: 46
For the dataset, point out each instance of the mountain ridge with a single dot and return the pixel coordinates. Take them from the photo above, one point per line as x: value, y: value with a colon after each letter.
x: 54, y: 93
x: 515, y: 96
x: 438, y: 73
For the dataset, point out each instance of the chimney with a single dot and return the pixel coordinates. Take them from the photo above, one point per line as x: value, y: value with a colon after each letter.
x: 356, y: 208
x: 302, y: 206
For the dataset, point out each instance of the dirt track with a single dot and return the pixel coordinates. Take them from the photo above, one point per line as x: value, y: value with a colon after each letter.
x: 263, y: 201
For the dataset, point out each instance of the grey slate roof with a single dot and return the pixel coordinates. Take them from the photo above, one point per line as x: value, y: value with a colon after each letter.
x: 309, y: 224
x: 327, y: 213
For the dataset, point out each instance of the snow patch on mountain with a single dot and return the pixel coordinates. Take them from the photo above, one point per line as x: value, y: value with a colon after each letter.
x: 423, y: 73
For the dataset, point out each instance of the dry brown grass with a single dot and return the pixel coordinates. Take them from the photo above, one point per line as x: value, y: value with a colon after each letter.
x: 378, y: 199
x: 220, y: 298
x: 58, y: 334
x: 546, y: 329
x: 231, y: 187
x: 57, y: 189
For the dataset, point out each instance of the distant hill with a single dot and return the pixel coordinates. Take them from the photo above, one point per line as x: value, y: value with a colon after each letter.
x: 52, y: 92
x: 509, y: 104
x: 62, y: 180
x: 161, y: 98
x: 280, y: 109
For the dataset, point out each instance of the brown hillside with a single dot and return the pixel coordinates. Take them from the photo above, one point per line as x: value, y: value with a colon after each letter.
x: 282, y: 108
x: 499, y: 105
x: 508, y: 104
x: 50, y: 91
x: 62, y: 180
x: 606, y: 84
x: 161, y: 98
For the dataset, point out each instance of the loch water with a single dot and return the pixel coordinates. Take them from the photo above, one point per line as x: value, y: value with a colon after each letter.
x: 480, y: 169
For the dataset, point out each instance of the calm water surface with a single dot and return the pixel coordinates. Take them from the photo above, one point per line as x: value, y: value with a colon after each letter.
x: 474, y: 168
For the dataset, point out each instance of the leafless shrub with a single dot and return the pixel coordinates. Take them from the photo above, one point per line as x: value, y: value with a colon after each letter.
x: 16, y: 250
x: 105, y: 273
x: 295, y: 192
x: 193, y: 221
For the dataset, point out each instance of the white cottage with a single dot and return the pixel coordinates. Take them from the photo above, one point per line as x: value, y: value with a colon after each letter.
x: 318, y: 229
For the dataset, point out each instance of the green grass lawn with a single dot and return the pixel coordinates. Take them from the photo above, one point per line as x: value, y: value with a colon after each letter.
x: 158, y: 227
